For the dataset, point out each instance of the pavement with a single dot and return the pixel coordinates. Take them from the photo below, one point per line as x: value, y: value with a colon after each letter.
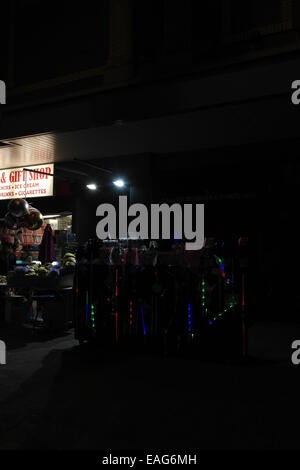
x: 55, y: 394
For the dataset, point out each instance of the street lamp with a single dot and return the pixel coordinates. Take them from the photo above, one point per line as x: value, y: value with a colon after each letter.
x: 92, y: 186
x: 119, y: 183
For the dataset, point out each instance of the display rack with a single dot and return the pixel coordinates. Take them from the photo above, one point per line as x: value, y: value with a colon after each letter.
x: 166, y: 303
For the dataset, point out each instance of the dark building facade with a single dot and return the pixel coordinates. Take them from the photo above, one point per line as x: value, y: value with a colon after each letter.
x: 189, y: 100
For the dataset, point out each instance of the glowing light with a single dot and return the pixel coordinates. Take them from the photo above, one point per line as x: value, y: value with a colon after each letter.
x: 92, y: 186
x: 203, y: 296
x: 116, y: 313
x: 93, y: 315
x: 130, y: 312
x: 142, y: 312
x: 117, y: 274
x: 119, y: 183
x: 86, y: 306
x: 189, y: 317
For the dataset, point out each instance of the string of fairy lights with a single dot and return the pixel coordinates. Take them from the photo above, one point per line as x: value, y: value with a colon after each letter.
x: 211, y: 318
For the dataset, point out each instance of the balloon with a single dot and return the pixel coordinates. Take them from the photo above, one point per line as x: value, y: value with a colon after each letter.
x: 33, y: 220
x: 18, y: 207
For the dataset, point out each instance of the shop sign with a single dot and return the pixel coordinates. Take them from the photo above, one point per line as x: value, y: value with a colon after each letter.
x: 16, y: 182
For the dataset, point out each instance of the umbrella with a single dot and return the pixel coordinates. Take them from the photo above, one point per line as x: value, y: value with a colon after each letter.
x: 47, y: 251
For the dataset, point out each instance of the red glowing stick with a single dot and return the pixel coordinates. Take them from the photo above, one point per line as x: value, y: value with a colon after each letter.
x: 117, y: 336
x: 117, y: 272
x: 244, y: 329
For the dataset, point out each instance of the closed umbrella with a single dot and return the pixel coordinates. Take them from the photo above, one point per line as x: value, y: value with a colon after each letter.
x: 47, y: 251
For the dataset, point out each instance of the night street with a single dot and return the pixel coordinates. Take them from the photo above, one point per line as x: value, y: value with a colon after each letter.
x: 149, y: 232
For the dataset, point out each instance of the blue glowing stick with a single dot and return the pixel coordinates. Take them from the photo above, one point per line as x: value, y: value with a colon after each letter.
x: 87, y: 307
x: 142, y: 312
x: 189, y: 318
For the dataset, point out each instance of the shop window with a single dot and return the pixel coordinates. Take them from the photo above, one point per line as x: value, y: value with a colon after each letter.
x: 65, y: 240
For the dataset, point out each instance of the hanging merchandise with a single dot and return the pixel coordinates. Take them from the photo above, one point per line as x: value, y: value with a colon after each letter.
x: 116, y: 256
x: 18, y: 207
x: 135, y: 303
x: 13, y: 222
x: 47, y: 251
x: 33, y: 220
x: 131, y: 256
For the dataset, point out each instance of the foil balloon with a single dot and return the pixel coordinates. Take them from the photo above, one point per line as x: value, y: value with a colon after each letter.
x: 18, y: 207
x: 33, y: 220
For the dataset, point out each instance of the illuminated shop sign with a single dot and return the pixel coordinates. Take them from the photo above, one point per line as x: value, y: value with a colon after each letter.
x: 16, y: 182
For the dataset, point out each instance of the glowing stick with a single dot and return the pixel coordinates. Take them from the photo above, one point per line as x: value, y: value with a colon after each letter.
x: 86, y: 306
x: 189, y: 318
x: 117, y: 336
x: 142, y: 312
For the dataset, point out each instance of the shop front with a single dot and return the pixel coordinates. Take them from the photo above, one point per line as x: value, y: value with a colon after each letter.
x: 37, y: 247
x: 144, y: 291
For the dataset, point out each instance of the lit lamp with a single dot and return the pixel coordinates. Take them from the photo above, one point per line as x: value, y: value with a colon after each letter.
x: 119, y: 183
x: 91, y: 187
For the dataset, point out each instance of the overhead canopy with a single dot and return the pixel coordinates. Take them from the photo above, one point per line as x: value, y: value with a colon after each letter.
x: 234, y: 124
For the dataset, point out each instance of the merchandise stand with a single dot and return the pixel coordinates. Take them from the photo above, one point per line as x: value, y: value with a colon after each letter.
x: 169, y: 306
